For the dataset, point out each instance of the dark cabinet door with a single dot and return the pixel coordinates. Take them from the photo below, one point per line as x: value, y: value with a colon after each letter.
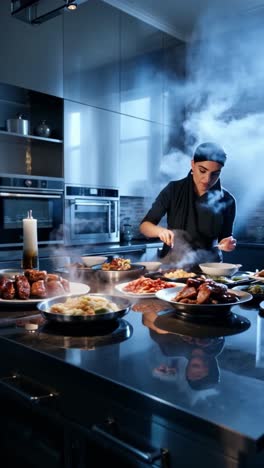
x: 91, y: 55
x: 31, y: 56
x: 142, y: 61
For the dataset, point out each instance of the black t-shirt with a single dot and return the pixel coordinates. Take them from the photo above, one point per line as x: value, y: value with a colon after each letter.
x: 205, y: 220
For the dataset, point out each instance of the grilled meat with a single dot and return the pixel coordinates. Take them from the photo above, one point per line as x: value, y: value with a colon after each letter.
x: 35, y: 275
x: 8, y: 290
x: 22, y: 287
x: 55, y: 288
x: 38, y: 289
x: 205, y: 291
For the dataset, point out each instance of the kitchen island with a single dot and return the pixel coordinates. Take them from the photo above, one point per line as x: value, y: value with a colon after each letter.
x: 120, y: 393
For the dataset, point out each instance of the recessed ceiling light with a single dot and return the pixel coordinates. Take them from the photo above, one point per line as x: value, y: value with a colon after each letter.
x: 71, y: 6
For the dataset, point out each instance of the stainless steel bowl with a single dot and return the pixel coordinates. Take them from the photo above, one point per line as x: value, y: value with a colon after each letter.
x: 119, y: 276
x: 45, y: 309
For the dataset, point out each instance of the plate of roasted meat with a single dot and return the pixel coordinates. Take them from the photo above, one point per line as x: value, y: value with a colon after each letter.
x: 202, y: 297
x: 32, y: 286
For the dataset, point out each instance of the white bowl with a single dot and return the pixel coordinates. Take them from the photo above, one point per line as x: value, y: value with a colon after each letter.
x: 150, y: 266
x: 90, y: 261
x: 219, y: 269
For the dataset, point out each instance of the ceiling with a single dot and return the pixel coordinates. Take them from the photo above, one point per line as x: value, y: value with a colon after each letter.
x: 180, y: 17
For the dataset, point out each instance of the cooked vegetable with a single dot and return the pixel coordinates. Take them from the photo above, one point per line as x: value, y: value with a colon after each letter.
x: 256, y: 289
x: 84, y: 305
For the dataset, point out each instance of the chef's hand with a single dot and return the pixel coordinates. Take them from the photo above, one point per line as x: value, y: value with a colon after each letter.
x: 227, y: 244
x: 167, y: 236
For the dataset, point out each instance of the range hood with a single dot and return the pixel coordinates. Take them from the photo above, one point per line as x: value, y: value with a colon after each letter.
x: 40, y: 11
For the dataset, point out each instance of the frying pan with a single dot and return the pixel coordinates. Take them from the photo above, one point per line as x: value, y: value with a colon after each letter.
x: 45, y: 309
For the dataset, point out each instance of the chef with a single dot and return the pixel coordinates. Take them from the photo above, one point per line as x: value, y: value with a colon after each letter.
x: 200, y: 212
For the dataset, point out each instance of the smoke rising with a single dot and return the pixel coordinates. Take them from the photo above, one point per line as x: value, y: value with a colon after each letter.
x: 223, y: 98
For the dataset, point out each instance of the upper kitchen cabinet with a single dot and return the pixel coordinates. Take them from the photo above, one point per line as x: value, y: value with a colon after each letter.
x: 140, y: 156
x: 31, y: 56
x: 91, y: 55
x: 91, y: 146
x: 174, y: 82
x: 25, y: 145
x: 142, y: 62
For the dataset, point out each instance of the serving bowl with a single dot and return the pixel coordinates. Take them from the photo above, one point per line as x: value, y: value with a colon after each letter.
x: 150, y: 266
x: 219, y: 269
x: 201, y: 311
x: 90, y: 260
x: 45, y: 309
x: 115, y: 276
x: 256, y: 290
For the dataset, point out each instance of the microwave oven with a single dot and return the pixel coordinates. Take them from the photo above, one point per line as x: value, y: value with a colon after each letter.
x: 91, y: 215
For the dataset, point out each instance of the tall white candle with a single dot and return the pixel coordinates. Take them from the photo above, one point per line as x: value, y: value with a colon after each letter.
x: 30, y: 242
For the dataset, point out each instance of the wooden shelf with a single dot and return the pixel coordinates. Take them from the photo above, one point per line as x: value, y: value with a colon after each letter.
x: 30, y: 137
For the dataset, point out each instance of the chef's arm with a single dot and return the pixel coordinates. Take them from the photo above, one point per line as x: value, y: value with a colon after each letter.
x: 151, y: 230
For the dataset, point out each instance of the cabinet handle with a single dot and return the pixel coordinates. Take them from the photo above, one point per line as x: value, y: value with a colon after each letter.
x: 27, y: 195
x: 149, y: 456
x: 27, y: 389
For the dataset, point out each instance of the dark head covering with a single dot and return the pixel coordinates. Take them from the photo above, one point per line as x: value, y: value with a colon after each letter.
x: 209, y: 152
x: 210, y: 380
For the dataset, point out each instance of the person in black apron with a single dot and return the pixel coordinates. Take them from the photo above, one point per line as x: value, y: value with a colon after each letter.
x: 200, y: 212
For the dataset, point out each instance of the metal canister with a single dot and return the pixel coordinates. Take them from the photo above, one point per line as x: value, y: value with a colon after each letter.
x: 18, y: 125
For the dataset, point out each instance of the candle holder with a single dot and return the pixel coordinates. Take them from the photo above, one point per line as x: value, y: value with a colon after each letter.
x: 30, y: 243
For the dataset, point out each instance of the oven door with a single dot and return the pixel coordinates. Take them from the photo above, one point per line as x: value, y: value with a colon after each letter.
x: 47, y: 208
x: 93, y: 221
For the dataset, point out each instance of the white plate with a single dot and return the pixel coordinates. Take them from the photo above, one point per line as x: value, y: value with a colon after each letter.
x: 168, y: 295
x: 75, y: 288
x: 120, y: 288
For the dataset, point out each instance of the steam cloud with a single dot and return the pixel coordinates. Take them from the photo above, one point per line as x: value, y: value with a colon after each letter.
x: 223, y: 96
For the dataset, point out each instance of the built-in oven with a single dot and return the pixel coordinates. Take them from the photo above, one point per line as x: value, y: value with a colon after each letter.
x: 91, y: 215
x: 43, y: 195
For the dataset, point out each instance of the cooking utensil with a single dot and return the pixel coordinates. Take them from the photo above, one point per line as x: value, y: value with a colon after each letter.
x: 45, y: 309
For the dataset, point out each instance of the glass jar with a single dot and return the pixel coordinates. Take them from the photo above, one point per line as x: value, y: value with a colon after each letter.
x: 127, y: 232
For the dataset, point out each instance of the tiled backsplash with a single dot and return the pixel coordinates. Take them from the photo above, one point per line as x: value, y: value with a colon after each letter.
x: 132, y: 211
